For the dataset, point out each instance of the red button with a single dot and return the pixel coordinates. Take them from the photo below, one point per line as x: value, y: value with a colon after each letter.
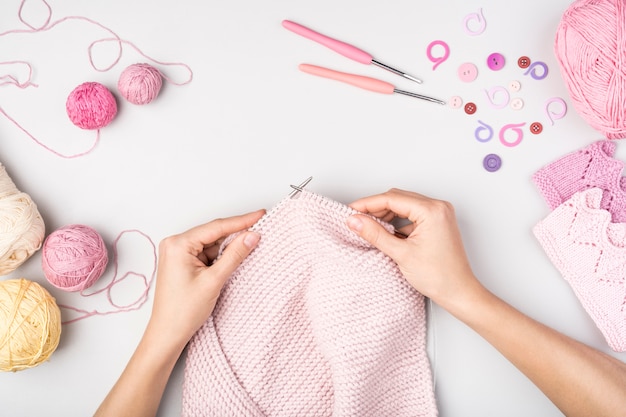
x: 523, y: 62
x: 536, y: 128
x: 470, y: 108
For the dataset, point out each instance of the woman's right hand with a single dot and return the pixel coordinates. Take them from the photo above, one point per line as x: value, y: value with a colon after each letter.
x: 432, y: 257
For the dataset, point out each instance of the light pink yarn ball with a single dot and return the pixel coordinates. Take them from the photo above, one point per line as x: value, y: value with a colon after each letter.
x: 91, y: 106
x: 140, y: 83
x: 590, y: 47
x: 74, y: 257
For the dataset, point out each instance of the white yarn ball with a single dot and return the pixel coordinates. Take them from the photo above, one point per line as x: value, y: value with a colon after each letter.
x: 22, y: 229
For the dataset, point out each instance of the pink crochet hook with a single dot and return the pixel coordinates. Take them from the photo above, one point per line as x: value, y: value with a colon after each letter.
x: 343, y: 48
x: 361, y: 81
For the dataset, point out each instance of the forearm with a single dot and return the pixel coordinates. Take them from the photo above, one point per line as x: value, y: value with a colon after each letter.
x: 139, y: 389
x: 579, y: 380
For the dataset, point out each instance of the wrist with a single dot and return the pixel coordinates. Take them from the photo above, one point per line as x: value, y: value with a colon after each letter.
x: 466, y: 301
x: 162, y: 346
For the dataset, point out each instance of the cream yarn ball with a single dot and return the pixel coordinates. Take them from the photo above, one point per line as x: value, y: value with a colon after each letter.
x: 22, y: 229
x: 30, y: 324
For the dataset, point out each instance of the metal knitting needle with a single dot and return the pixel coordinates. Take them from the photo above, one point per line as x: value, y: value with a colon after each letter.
x: 298, y: 188
x: 361, y: 81
x: 344, y: 49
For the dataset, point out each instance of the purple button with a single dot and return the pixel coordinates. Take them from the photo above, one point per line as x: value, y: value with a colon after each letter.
x: 468, y: 72
x: 492, y: 162
x: 495, y: 61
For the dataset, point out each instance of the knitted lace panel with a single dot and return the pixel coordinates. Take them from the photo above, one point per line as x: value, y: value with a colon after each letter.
x: 592, y: 166
x: 315, y: 322
x: 590, y: 253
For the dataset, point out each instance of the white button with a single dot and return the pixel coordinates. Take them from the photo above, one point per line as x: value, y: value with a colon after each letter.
x: 515, y: 86
x: 517, y: 103
x: 455, y: 102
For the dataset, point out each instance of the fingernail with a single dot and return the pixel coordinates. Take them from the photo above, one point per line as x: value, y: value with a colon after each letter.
x: 251, y: 240
x: 355, y: 223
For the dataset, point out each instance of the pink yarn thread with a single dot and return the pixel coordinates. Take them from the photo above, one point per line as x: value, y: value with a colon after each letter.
x: 589, y: 47
x: 140, y: 83
x: 8, y: 79
x: 74, y: 257
x: 118, y: 308
x: 91, y: 106
x: 49, y: 24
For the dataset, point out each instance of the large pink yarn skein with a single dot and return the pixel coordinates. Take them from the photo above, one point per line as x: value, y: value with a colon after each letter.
x: 590, y: 47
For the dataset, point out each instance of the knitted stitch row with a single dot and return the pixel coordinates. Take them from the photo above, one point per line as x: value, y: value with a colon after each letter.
x: 590, y: 252
x: 315, y: 322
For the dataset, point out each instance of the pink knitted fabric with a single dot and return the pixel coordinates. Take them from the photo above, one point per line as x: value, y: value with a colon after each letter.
x: 592, y: 166
x: 315, y: 322
x: 590, y: 252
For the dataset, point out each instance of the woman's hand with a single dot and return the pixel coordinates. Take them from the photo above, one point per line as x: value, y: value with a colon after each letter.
x: 581, y: 381
x: 432, y: 258
x: 189, y: 281
x: 188, y: 285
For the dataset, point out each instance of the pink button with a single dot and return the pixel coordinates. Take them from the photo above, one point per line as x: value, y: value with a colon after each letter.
x: 468, y: 72
x: 495, y: 61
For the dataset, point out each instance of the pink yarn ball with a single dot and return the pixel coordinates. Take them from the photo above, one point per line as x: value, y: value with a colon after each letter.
x: 91, y: 106
x: 589, y: 47
x: 140, y: 83
x: 74, y: 257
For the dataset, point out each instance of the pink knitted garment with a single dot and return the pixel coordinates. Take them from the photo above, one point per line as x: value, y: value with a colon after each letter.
x: 590, y: 252
x: 592, y: 166
x: 315, y: 322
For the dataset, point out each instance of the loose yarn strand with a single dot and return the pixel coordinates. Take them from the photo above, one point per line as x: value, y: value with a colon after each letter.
x: 46, y: 147
x: 9, y: 79
x: 119, y: 308
x: 21, y: 9
x: 48, y: 25
x: 140, y: 52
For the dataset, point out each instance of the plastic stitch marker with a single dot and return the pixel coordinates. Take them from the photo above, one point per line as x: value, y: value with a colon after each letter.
x: 361, y: 81
x: 298, y: 188
x: 343, y: 48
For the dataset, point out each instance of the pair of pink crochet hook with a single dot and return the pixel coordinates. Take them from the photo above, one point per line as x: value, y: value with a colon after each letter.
x: 358, y: 55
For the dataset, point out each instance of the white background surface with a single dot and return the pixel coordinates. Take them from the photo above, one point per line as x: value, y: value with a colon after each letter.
x: 250, y: 124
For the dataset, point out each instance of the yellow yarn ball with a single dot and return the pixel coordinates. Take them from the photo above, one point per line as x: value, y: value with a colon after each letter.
x: 30, y: 324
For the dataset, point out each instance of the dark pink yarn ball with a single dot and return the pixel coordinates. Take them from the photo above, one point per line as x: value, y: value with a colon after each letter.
x: 91, y: 106
x: 74, y: 257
